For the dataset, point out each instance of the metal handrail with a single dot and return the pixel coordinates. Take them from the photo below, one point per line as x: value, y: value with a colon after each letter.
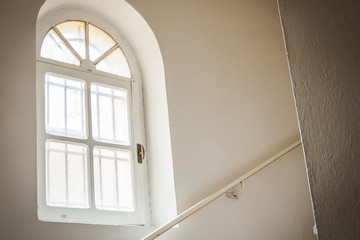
x: 156, y: 233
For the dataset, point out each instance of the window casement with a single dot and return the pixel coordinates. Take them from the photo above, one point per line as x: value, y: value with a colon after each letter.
x: 89, y: 127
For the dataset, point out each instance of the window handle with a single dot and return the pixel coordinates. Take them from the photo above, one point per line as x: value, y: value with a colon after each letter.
x: 140, y: 153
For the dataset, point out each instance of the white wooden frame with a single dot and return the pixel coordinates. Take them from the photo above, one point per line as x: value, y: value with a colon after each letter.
x: 141, y: 216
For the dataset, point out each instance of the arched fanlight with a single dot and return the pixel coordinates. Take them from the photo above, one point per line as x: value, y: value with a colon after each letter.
x: 74, y: 42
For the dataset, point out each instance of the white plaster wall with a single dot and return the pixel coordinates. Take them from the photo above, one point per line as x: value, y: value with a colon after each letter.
x: 322, y: 39
x: 230, y: 107
x: 273, y: 206
x: 228, y: 88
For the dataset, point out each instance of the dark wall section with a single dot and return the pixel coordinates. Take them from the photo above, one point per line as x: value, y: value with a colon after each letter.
x: 322, y: 39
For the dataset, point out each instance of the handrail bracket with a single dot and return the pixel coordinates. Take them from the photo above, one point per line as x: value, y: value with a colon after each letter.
x: 235, y: 191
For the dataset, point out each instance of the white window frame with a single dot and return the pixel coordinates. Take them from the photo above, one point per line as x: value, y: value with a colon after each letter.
x: 141, y: 215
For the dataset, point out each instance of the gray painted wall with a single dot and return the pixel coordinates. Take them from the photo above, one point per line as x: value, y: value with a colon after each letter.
x: 322, y: 39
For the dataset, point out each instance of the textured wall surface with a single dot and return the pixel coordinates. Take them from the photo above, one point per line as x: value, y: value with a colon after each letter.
x: 322, y: 39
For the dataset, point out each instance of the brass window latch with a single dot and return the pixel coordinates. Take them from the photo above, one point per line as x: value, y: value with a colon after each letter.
x: 140, y: 153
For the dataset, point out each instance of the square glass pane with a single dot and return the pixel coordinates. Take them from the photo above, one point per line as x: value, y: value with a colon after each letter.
x: 54, y: 48
x: 66, y: 175
x: 112, y: 179
x: 65, y: 106
x: 109, y: 110
x: 74, y: 33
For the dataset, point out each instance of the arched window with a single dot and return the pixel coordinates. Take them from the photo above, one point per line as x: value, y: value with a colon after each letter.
x: 84, y: 44
x: 90, y: 137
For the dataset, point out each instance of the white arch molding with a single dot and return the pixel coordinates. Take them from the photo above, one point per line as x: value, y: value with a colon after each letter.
x: 141, y: 39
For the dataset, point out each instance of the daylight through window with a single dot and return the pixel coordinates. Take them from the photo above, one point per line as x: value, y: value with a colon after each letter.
x: 86, y: 103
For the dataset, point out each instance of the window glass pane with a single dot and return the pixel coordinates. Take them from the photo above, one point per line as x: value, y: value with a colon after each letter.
x: 115, y: 63
x: 109, y: 108
x: 99, y: 42
x: 66, y: 175
x: 112, y: 178
x: 54, y: 48
x: 74, y: 33
x: 64, y: 106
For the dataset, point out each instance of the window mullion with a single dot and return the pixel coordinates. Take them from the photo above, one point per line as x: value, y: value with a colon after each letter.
x: 117, y: 179
x: 107, y: 53
x: 101, y: 180
x: 113, y: 113
x: 48, y: 194
x: 90, y: 145
x: 85, y: 189
x: 87, y: 40
x: 65, y: 109
x: 47, y: 102
x: 98, y: 112
x: 83, y: 104
x: 66, y: 176
x: 67, y: 43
